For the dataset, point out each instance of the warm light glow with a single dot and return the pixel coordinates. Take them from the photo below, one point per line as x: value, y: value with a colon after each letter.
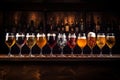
x: 16, y: 17
x: 36, y: 17
x: 71, y: 19
x: 33, y: 16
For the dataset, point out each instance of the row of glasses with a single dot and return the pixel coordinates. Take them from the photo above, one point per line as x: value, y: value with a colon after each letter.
x: 30, y: 40
x: 101, y: 41
x: 92, y: 40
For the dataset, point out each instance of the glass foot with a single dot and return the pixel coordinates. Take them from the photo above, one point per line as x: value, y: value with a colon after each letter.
x: 20, y: 55
x: 52, y: 55
x: 30, y: 55
x: 41, y: 55
x: 10, y: 55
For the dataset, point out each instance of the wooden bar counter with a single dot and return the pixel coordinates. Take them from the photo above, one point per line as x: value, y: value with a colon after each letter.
x: 60, y: 68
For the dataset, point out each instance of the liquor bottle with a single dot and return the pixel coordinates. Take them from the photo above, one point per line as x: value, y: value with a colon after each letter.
x: 97, y: 26
x: 62, y: 27
x: 81, y: 25
x: 66, y: 25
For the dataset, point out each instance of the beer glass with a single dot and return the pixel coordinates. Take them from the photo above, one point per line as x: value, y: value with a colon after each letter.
x: 10, y: 41
x: 81, y: 41
x: 30, y: 42
x: 101, y: 41
x: 20, y: 41
x: 41, y: 42
x: 71, y: 42
x: 61, y: 42
x: 91, y: 41
x: 110, y: 41
x: 51, y: 37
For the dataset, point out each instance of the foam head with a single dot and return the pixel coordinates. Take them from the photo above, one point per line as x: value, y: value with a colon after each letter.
x: 91, y: 34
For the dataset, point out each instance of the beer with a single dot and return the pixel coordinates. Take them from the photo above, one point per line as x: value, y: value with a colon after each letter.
x: 10, y: 41
x: 91, y: 41
x: 20, y: 42
x: 81, y: 42
x: 100, y: 41
x: 61, y: 41
x: 41, y: 42
x: 72, y: 42
x: 20, y: 39
x: 51, y: 40
x: 30, y: 42
x: 110, y: 41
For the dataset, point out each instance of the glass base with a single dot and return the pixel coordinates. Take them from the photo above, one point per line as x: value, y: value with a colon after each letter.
x: 20, y: 55
x: 52, y: 55
x: 41, y: 55
x: 10, y: 55
x: 100, y: 55
x: 30, y: 55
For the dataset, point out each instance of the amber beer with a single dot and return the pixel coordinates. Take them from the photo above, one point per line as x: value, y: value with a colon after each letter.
x: 41, y: 41
x: 100, y: 41
x: 91, y: 41
x: 81, y: 41
x: 110, y: 41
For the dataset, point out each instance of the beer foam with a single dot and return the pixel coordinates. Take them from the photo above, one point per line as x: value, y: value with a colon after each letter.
x: 91, y: 34
x: 82, y: 37
x: 100, y: 35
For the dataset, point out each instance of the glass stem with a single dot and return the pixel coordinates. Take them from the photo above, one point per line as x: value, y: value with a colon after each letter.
x: 72, y: 51
x: 91, y: 52
x: 9, y: 51
x: 61, y: 51
x: 81, y: 51
x: 30, y: 52
x: 41, y: 52
x: 110, y: 52
x: 100, y: 52
x: 20, y: 51
x: 51, y: 51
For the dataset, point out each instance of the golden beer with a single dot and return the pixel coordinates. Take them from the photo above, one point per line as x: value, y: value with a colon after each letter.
x: 30, y: 42
x: 100, y: 41
x: 10, y: 42
x: 81, y: 42
x: 41, y: 42
x: 110, y: 41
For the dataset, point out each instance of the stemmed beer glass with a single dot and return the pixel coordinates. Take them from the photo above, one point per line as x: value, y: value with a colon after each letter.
x: 10, y: 41
x: 101, y: 41
x: 61, y: 42
x: 91, y: 41
x: 20, y: 41
x: 41, y: 42
x: 30, y: 42
x: 51, y: 37
x: 110, y: 41
x: 81, y: 41
x: 71, y: 42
